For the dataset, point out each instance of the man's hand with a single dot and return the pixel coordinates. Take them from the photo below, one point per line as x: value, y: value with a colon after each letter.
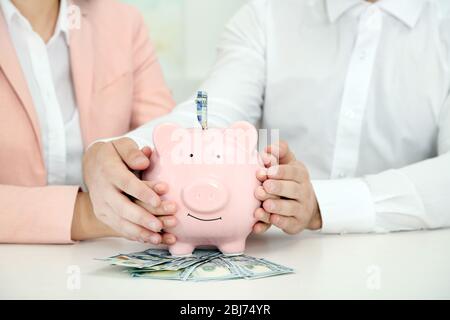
x: 289, y: 200
x: 109, y: 178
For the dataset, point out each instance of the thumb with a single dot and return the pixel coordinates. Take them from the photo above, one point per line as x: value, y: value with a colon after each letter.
x: 130, y: 154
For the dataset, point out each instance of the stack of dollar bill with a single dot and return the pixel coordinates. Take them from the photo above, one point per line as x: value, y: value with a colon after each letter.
x: 203, y: 265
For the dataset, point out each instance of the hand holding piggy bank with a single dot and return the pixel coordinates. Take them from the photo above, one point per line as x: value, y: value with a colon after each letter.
x: 212, y: 176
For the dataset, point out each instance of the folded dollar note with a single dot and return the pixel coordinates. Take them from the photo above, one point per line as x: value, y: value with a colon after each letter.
x: 203, y: 265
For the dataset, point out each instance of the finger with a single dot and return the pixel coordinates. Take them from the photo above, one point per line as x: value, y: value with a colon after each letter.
x: 168, y: 221
x: 283, y: 207
x: 159, y: 187
x: 127, y: 182
x: 168, y: 238
x: 281, y: 188
x: 147, y: 151
x: 127, y: 229
x: 130, y: 154
x: 260, y: 227
x: 290, y: 225
x: 166, y: 208
x: 262, y: 215
x: 137, y: 233
x: 135, y: 214
x: 281, y: 152
x: 261, y: 175
x: 269, y: 159
x: 296, y: 172
x: 262, y: 195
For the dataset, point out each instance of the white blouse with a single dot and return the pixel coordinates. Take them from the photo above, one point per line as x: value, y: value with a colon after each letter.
x: 46, y: 67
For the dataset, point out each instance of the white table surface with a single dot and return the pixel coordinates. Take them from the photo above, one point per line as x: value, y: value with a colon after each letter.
x: 399, y: 265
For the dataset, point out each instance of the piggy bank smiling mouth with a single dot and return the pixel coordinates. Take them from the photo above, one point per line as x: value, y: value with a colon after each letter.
x: 200, y: 219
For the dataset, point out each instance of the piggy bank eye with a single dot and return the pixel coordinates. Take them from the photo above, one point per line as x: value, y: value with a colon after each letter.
x: 191, y: 155
x: 218, y: 156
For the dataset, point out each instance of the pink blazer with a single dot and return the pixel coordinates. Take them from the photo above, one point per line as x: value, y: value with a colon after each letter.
x: 118, y: 84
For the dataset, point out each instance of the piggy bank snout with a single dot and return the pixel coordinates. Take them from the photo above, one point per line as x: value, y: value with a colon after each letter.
x: 205, y: 196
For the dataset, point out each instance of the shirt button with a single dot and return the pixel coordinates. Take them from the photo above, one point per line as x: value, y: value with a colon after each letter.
x: 371, y: 10
x: 350, y: 114
x: 363, y: 55
x: 373, y: 19
x: 372, y: 23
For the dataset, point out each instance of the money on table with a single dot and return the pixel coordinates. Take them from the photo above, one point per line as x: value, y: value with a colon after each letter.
x: 202, y: 265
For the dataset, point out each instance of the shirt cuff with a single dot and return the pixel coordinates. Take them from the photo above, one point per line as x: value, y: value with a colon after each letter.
x: 346, y: 206
x: 141, y: 143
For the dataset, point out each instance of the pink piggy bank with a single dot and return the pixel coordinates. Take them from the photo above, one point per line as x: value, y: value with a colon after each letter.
x: 212, y: 176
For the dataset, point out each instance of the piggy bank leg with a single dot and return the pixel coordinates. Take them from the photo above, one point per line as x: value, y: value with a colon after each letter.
x: 233, y: 248
x: 181, y: 249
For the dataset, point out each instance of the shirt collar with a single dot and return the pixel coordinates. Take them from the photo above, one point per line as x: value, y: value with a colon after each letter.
x: 9, y: 10
x: 337, y: 8
x: 63, y: 20
x: 407, y: 11
x: 62, y: 25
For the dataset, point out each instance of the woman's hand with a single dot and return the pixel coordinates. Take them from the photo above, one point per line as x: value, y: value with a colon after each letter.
x: 85, y: 224
x: 107, y: 173
x: 288, y: 198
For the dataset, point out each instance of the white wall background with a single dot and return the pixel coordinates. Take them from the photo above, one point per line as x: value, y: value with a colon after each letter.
x: 185, y: 34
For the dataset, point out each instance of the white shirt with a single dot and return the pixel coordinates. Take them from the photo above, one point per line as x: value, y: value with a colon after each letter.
x: 48, y: 74
x: 360, y: 92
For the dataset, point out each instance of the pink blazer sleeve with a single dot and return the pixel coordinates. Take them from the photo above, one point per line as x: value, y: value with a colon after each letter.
x: 36, y: 214
x: 44, y: 214
x: 152, y: 97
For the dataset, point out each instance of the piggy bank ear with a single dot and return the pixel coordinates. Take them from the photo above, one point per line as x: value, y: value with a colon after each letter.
x: 164, y: 135
x: 245, y: 134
